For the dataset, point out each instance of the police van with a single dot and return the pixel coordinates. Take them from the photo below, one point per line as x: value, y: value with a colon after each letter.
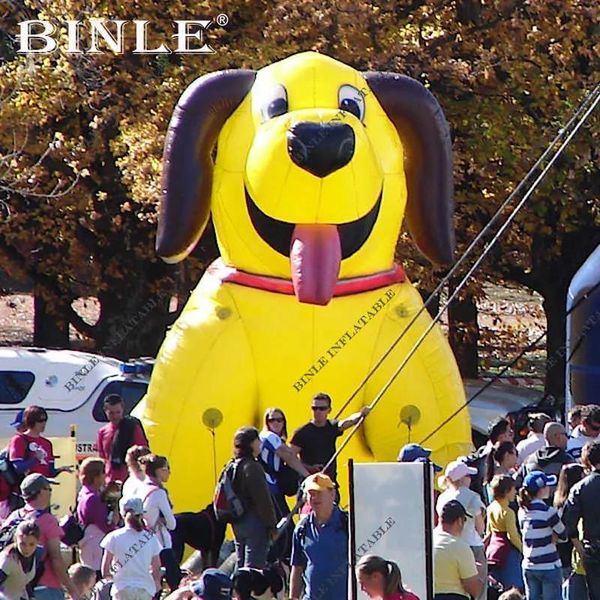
x: 71, y: 386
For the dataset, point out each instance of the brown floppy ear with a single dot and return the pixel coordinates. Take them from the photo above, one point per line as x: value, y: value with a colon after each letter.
x: 425, y: 137
x: 187, y: 163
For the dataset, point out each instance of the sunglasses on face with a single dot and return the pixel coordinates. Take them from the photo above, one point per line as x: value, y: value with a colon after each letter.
x: 275, y: 420
x: 320, y: 407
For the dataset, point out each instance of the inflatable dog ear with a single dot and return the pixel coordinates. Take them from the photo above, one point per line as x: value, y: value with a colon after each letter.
x: 425, y: 136
x: 187, y: 163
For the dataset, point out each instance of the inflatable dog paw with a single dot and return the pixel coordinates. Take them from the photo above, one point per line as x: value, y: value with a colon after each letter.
x: 316, y: 165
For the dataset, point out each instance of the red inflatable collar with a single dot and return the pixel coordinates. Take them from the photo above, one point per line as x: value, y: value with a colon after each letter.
x: 344, y: 287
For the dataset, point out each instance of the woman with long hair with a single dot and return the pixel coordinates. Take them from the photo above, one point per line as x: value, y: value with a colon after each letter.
x: 258, y: 524
x: 18, y: 563
x: 282, y: 469
x: 504, y: 548
x: 380, y: 578
x: 132, y: 556
x: 159, y: 512
x: 572, y: 566
x: 502, y: 460
x: 135, y: 480
x: 457, y: 481
x: 92, y: 512
x: 540, y: 524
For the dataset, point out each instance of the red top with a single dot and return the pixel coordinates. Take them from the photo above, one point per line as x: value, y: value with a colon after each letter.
x: 401, y: 596
x: 104, y: 441
x: 35, y: 452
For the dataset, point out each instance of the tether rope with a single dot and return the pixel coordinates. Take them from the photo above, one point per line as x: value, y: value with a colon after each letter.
x: 591, y: 98
x: 587, y: 107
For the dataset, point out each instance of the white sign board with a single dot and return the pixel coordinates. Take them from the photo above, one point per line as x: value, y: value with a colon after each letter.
x: 389, y: 502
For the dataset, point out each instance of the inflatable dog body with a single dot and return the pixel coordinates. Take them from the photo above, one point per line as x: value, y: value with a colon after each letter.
x: 316, y: 165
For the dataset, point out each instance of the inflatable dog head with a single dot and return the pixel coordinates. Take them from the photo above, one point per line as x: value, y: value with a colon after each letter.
x: 315, y: 165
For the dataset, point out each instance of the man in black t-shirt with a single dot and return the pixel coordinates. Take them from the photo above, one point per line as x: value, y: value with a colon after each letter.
x: 315, y: 441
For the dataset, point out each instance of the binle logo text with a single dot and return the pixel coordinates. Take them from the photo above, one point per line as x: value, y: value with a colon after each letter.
x: 113, y: 35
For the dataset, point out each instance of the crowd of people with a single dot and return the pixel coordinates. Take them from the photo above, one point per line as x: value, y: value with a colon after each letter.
x: 529, y: 525
x: 516, y: 520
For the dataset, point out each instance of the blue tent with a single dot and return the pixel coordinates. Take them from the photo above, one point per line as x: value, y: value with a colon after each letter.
x: 583, y: 334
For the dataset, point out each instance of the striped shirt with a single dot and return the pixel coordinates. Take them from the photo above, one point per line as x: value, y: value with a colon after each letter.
x: 538, y: 523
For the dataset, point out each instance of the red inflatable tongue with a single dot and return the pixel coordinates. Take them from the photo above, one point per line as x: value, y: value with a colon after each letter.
x: 315, y: 257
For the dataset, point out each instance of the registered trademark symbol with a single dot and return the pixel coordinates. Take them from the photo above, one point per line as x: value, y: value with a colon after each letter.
x: 222, y: 20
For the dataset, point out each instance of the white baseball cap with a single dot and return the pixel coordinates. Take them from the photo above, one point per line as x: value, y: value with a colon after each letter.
x: 457, y: 470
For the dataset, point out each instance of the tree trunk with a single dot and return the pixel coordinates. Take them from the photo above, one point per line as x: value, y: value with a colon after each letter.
x: 554, y: 307
x: 463, y: 334
x: 50, y: 323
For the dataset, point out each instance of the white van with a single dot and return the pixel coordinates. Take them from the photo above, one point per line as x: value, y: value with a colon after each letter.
x: 71, y: 386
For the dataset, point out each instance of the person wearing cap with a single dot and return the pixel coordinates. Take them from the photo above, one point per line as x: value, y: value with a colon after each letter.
x: 416, y: 453
x: 112, y: 447
x: 36, y: 491
x: 455, y: 571
x: 535, y: 437
x: 320, y: 545
x: 315, y: 441
x: 548, y: 459
x: 258, y: 525
x: 213, y: 584
x: 540, y: 525
x: 132, y: 556
x: 456, y: 482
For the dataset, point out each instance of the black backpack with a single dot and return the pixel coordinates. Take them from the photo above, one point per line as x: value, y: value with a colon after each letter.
x: 228, y: 506
x: 9, y: 526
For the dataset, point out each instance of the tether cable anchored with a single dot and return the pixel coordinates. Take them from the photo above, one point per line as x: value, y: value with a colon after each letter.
x: 590, y: 99
x: 527, y: 349
x: 587, y: 107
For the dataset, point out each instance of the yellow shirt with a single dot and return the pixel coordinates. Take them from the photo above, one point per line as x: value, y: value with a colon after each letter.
x: 453, y: 560
x: 502, y: 519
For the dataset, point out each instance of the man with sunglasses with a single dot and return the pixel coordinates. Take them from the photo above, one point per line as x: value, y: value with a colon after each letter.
x: 589, y: 430
x: 315, y: 441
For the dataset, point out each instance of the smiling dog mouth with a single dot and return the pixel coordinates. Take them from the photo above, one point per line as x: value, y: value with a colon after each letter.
x: 315, y: 250
x: 278, y: 234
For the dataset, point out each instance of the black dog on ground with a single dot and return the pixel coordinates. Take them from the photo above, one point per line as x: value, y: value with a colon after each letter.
x: 202, y: 532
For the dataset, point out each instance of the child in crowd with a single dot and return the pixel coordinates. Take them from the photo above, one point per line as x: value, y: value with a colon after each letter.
x: 83, y: 578
x: 380, y: 578
x: 135, y: 574
x: 18, y: 562
x: 504, y: 546
x: 540, y: 524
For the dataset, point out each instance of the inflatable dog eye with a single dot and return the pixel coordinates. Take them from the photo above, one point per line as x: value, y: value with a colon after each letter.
x: 316, y: 165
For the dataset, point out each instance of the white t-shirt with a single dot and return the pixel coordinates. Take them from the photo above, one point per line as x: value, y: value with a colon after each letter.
x: 132, y: 552
x: 156, y: 504
x: 473, y: 505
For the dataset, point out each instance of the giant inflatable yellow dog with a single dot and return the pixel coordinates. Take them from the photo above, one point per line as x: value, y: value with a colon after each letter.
x: 316, y: 164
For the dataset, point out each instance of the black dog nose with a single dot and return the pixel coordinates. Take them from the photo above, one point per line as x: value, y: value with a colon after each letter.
x: 321, y: 148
